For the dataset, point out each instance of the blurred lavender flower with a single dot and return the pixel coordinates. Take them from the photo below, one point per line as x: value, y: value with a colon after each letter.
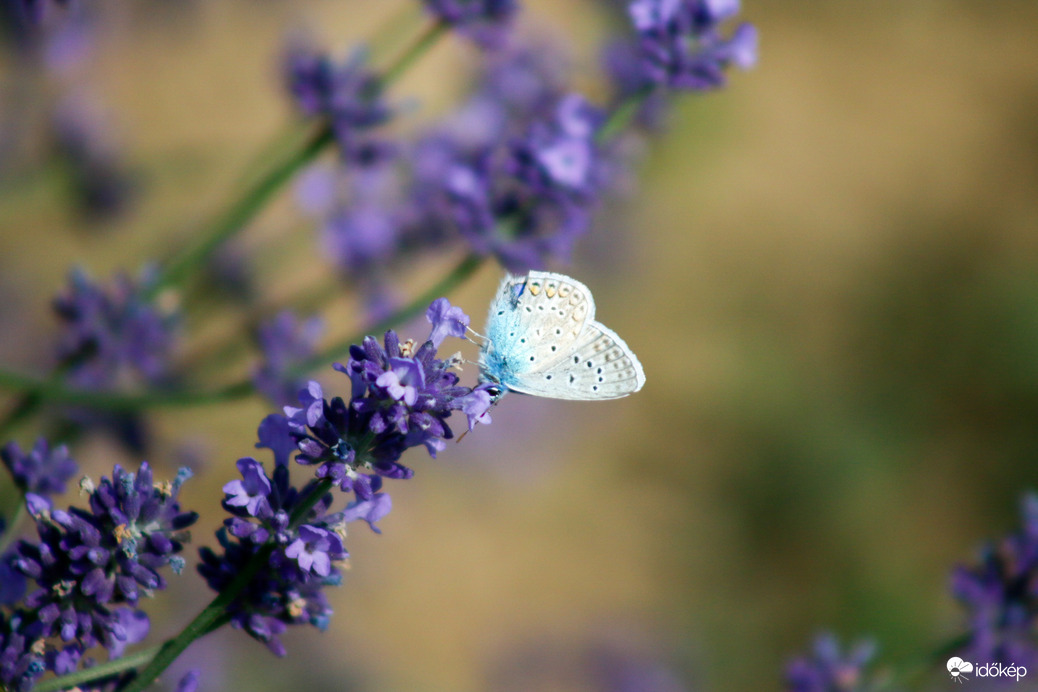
x: 827, y: 669
x: 190, y: 681
x: 26, y: 21
x: 113, y: 333
x: 348, y: 95
x: 486, y: 22
x: 99, y: 181
x: 1001, y: 595
x: 288, y: 591
x: 285, y: 341
x: 362, y: 228
x: 42, y: 471
x: 610, y: 661
x: 21, y: 663
x: 680, y: 44
x: 528, y: 201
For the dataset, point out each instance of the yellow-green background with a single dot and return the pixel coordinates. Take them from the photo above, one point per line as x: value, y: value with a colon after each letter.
x: 829, y: 272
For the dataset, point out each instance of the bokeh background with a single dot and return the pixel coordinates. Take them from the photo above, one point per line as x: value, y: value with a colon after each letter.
x: 829, y: 271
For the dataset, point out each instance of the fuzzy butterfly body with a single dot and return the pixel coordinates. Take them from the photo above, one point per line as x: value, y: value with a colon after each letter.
x: 542, y: 339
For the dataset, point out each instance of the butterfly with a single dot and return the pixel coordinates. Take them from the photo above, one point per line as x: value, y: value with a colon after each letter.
x: 542, y: 339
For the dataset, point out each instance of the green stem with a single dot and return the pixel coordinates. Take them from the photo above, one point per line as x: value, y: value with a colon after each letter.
x: 925, y: 664
x: 45, y: 390
x: 426, y: 40
x: 110, y: 668
x: 204, y: 622
x: 622, y: 115
x: 104, y: 670
x: 16, y: 516
x: 242, y: 211
x: 31, y: 400
x: 458, y: 275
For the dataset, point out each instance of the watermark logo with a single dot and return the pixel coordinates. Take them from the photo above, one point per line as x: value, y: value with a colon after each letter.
x: 960, y: 670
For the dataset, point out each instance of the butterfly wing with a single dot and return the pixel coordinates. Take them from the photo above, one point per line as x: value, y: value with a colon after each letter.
x: 543, y: 340
x: 533, y: 321
x: 600, y: 366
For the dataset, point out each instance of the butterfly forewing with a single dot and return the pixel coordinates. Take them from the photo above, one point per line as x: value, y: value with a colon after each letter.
x: 533, y: 322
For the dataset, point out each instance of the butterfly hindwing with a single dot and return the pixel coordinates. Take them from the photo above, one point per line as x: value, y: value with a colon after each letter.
x: 600, y: 366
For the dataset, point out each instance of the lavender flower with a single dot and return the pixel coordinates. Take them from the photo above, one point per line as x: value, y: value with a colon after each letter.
x: 314, y: 549
x: 446, y: 321
x: 348, y: 95
x: 113, y: 333
x: 285, y: 341
x: 827, y: 669
x: 484, y: 21
x: 41, y: 471
x: 1000, y: 594
x: 87, y: 562
x: 287, y: 589
x: 680, y: 44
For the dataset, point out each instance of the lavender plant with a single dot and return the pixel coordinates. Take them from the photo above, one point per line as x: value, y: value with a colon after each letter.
x: 520, y: 187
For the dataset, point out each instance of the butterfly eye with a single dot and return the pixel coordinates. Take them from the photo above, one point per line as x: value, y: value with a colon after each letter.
x: 495, y: 391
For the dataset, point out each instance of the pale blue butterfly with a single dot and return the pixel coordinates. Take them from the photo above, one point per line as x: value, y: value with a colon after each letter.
x: 542, y: 339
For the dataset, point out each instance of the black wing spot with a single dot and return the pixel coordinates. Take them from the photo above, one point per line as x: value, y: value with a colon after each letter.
x: 553, y: 348
x: 590, y: 364
x: 558, y: 331
x: 522, y: 341
x: 600, y: 379
x: 500, y: 312
x: 531, y: 359
x: 547, y: 377
x: 529, y: 309
x: 571, y: 379
x: 576, y: 359
x: 595, y: 388
x: 600, y: 371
